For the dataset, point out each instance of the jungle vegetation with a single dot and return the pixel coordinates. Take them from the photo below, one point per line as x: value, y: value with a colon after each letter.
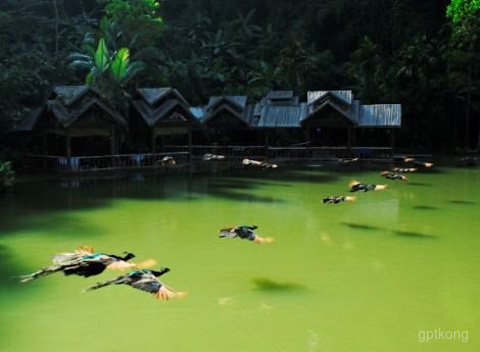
x: 422, y: 54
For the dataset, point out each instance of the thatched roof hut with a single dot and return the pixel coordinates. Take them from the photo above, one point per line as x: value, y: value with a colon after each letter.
x: 75, y: 111
x: 162, y: 112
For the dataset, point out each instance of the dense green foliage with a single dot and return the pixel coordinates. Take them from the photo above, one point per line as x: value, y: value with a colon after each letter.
x: 7, y: 175
x: 403, y: 51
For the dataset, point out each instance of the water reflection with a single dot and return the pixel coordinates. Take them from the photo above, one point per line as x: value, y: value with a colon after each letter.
x: 265, y: 284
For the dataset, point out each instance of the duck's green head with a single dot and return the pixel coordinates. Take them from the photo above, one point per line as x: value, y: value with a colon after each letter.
x: 139, y: 272
x: 92, y: 256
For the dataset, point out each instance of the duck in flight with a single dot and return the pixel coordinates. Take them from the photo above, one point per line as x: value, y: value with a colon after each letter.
x: 244, y: 232
x: 145, y: 280
x: 85, y: 262
x: 338, y: 199
x: 356, y: 186
x: 263, y: 165
x: 407, y: 160
x: 393, y: 176
x: 404, y: 170
x: 213, y: 157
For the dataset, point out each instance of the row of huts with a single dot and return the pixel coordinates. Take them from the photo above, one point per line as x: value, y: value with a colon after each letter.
x: 78, y: 120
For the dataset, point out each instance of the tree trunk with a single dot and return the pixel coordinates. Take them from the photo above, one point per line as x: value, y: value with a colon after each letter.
x: 467, y: 111
x: 57, y: 33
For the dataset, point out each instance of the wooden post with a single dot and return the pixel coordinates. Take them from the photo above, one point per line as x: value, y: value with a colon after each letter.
x: 68, y: 148
x: 44, y: 149
x: 112, y: 145
x: 267, y: 141
x: 392, y: 138
x: 350, y: 135
x: 154, y: 146
x: 44, y: 143
x: 307, y: 133
x: 189, y: 141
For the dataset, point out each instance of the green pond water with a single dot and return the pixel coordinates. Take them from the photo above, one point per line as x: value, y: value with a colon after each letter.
x: 368, y: 276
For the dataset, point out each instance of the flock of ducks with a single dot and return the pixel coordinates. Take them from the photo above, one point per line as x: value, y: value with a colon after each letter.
x: 397, y: 173
x: 85, y: 262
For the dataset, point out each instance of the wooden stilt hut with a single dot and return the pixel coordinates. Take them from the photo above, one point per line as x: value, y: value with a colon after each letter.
x: 161, y: 112
x: 71, y: 118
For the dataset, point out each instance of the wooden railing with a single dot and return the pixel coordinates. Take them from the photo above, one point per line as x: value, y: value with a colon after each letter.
x: 185, y: 155
x: 97, y: 163
x: 286, y: 152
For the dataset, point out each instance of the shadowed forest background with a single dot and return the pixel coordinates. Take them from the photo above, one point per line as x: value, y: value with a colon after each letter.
x: 387, y: 51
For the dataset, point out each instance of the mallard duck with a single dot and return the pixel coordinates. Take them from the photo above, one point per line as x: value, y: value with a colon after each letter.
x: 168, y: 161
x: 145, y: 280
x: 261, y: 164
x: 212, y: 157
x: 85, y: 262
x: 244, y: 232
x: 393, y: 176
x: 339, y: 199
x: 356, y: 186
x: 404, y: 170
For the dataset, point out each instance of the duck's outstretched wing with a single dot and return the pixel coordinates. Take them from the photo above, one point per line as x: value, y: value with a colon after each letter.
x: 167, y: 293
x: 68, y: 256
x: 152, y: 285
x: 85, y: 250
x: 227, y: 232
x: 117, y: 281
x: 41, y: 273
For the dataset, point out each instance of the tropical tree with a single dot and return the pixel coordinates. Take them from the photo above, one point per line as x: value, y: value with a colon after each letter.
x: 104, y: 65
x: 465, y: 17
x: 110, y: 71
x: 7, y: 175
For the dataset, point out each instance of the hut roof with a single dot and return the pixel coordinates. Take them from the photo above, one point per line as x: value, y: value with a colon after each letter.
x: 235, y: 105
x: 274, y: 116
x: 344, y: 95
x: 154, y: 95
x: 67, y: 115
x: 378, y: 116
x: 198, y: 112
x: 331, y: 101
x: 69, y: 103
x: 152, y: 115
x: 69, y: 95
x: 237, y: 100
x: 381, y: 115
x: 279, y: 109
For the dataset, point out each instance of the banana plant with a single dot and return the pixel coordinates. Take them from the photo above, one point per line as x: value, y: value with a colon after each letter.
x: 103, y: 64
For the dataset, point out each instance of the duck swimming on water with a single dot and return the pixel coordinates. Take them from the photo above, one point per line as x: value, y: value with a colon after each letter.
x: 144, y: 280
x: 85, y: 262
